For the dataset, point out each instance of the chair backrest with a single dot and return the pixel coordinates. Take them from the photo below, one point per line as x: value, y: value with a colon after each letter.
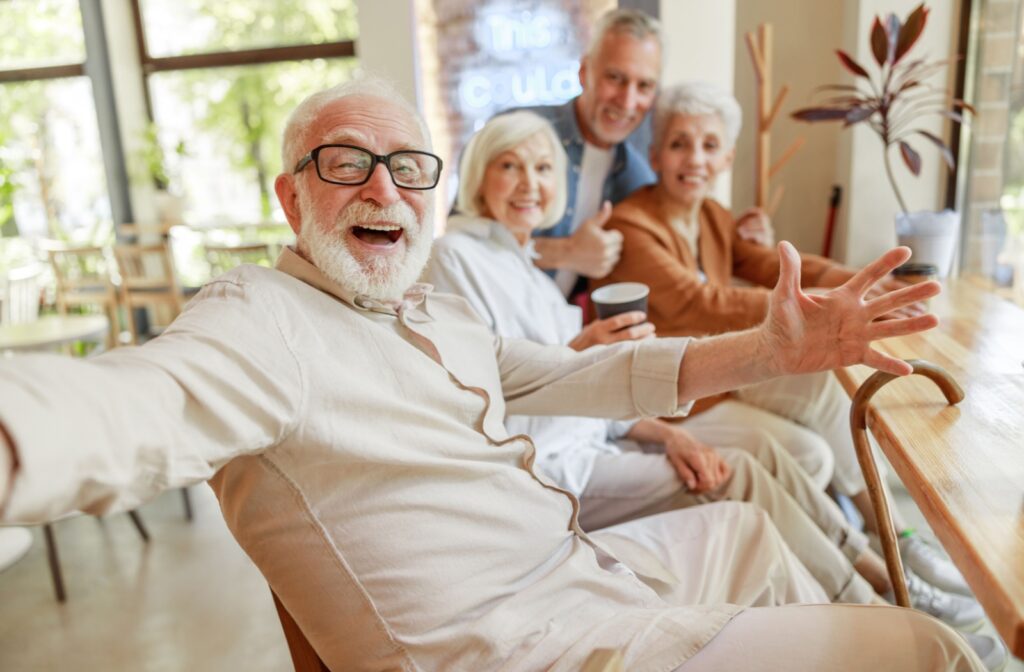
x: 304, y: 656
x: 79, y: 269
x: 146, y: 267
x: 223, y: 257
x: 19, y: 295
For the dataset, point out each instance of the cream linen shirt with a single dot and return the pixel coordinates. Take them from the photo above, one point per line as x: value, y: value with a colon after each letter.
x: 480, y: 260
x: 360, y: 459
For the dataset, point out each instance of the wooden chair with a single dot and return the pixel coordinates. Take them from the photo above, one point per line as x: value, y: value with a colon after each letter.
x: 82, y: 275
x: 304, y: 656
x: 148, y: 280
x: 223, y: 257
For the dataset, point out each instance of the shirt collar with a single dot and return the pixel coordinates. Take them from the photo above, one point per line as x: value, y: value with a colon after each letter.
x: 292, y: 263
x: 489, y: 229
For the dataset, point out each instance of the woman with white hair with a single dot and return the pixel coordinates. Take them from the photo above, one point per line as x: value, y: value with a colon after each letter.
x: 687, y: 248
x: 512, y: 182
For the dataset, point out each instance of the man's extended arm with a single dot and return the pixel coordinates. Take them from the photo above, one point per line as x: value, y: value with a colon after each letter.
x: 805, y: 333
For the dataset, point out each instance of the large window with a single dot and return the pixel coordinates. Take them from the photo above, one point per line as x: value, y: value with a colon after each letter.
x: 51, y: 167
x: 992, y: 189
x: 222, y: 78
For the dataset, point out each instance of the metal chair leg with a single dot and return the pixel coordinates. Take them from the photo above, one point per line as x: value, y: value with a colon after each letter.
x: 137, y: 520
x: 54, y: 561
x: 858, y: 425
x: 186, y: 499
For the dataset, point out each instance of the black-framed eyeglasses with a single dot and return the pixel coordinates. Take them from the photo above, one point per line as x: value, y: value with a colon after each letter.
x: 351, y: 166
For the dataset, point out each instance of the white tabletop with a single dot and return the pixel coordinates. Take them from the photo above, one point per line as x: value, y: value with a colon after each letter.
x: 51, y: 331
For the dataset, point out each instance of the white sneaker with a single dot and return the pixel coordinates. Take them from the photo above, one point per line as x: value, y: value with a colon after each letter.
x: 931, y: 565
x: 990, y: 650
x: 958, y: 611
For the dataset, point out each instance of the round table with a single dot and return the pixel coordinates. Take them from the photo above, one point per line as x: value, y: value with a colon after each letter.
x: 52, y: 331
x: 14, y: 543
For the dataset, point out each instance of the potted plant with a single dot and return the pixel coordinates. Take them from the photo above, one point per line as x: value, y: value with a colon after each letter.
x: 891, y: 102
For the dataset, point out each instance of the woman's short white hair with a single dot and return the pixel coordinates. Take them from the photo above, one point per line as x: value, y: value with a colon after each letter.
x: 697, y: 98
x: 305, y: 114
x: 498, y: 135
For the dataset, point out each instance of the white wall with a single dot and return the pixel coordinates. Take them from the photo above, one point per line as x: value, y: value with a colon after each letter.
x: 387, y: 43
x: 866, y: 224
x: 805, y: 35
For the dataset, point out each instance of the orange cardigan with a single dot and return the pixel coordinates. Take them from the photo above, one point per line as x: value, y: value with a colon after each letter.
x: 679, y: 304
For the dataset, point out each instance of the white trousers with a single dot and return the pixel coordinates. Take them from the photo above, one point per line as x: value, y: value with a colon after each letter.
x: 808, y: 414
x: 722, y: 553
x: 835, y: 637
x: 632, y: 485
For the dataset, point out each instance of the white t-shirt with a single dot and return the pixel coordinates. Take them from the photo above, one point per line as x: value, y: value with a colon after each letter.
x: 593, y: 170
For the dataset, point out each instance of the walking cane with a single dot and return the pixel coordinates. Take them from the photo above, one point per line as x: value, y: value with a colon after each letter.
x: 858, y: 425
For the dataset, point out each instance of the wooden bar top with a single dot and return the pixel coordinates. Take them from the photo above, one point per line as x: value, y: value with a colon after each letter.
x: 964, y: 464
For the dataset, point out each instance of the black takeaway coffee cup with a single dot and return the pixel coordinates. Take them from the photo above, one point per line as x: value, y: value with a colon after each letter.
x: 621, y: 297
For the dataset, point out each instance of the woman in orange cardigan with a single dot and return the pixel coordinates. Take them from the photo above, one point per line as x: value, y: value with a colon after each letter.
x: 688, y: 248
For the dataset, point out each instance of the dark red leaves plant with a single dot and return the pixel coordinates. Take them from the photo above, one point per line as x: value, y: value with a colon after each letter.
x: 895, y: 99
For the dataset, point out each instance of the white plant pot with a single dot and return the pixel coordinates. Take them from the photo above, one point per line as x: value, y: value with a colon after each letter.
x: 932, y: 236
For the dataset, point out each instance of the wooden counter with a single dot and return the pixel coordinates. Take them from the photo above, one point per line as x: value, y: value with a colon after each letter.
x: 964, y: 464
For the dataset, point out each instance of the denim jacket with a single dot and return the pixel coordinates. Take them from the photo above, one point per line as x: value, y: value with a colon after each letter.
x: 630, y: 169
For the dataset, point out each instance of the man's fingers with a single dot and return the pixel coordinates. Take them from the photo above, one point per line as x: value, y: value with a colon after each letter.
x: 901, y: 327
x: 902, y: 297
x: 897, y: 367
x: 876, y: 270
x: 789, y: 269
x: 603, y: 215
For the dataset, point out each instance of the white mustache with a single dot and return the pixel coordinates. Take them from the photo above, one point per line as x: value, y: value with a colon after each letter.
x: 355, y: 214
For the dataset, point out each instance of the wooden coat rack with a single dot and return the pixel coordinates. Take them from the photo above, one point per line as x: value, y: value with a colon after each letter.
x: 760, y: 48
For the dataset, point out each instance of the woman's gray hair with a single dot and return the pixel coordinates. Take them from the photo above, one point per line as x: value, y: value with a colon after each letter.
x: 501, y: 134
x: 630, y: 21
x: 697, y: 98
x: 305, y: 114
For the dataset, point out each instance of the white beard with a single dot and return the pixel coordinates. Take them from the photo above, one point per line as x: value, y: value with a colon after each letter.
x: 382, y: 278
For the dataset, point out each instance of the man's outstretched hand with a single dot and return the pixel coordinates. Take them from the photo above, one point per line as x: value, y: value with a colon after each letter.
x: 806, y: 333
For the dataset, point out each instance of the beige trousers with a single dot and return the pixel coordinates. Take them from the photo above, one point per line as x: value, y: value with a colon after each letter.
x: 631, y: 485
x: 815, y: 401
x: 837, y: 638
x: 722, y: 553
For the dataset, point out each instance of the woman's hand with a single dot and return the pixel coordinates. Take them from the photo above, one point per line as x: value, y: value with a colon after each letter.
x: 805, y: 333
x: 698, y: 465
x: 755, y: 225
x: 625, y: 327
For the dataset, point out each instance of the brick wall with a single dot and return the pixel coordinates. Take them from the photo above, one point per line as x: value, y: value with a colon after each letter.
x: 999, y: 73
x: 478, y: 57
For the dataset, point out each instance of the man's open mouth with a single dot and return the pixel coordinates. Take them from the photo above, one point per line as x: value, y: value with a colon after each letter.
x: 378, y: 234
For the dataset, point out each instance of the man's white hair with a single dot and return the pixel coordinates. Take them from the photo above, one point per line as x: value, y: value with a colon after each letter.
x: 630, y: 21
x: 501, y: 134
x: 305, y: 114
x: 697, y: 98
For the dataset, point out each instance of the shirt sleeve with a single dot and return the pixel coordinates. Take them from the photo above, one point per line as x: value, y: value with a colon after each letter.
x: 622, y: 381
x: 110, y: 432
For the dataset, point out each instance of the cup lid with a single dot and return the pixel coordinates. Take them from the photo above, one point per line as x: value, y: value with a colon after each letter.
x: 915, y: 268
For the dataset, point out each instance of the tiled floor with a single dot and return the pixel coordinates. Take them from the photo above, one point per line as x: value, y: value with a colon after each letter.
x: 188, y: 601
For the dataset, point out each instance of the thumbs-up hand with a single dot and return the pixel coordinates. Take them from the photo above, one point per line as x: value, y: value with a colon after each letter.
x: 594, y: 251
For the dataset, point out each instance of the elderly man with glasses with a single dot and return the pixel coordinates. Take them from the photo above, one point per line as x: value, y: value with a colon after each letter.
x: 350, y: 422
